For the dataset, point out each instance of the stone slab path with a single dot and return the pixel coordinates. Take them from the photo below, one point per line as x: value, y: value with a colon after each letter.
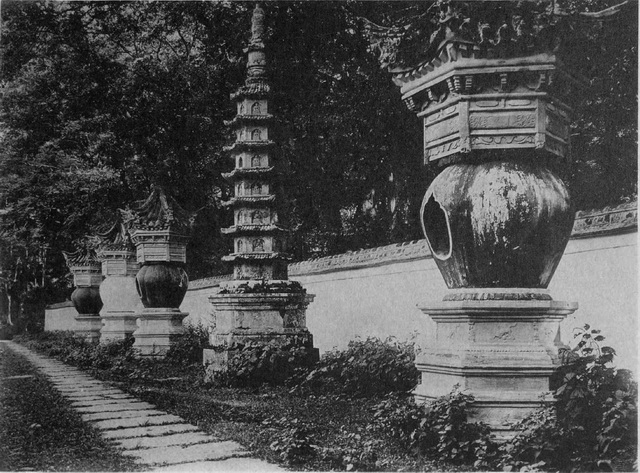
x: 160, y: 441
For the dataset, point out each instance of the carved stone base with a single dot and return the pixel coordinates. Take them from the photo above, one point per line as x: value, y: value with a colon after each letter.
x: 88, y: 326
x: 258, y: 317
x: 118, y: 326
x: 156, y: 331
x: 503, y: 352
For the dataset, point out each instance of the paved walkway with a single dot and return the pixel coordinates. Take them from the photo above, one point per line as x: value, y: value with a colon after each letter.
x: 161, y: 441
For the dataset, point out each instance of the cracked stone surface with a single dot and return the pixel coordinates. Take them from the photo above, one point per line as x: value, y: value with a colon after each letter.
x: 156, y: 439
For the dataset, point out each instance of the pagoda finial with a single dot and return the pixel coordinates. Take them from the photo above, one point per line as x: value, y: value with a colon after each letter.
x: 256, y: 60
x: 257, y: 27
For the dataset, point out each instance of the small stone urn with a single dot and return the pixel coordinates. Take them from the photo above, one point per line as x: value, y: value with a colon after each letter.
x: 87, y: 278
x: 118, y: 291
x: 159, y: 229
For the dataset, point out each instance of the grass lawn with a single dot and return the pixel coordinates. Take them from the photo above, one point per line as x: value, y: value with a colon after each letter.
x: 39, y: 430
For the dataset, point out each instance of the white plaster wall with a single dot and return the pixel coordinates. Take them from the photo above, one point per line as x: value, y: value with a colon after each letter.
x: 600, y: 273
x: 61, y: 318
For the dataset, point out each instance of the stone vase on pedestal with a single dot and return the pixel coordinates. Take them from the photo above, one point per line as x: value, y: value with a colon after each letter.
x: 497, y: 218
x: 86, y: 297
x: 159, y: 229
x: 118, y: 290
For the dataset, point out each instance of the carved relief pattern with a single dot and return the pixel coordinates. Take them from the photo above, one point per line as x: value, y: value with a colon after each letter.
x: 442, y: 150
x: 502, y: 140
x: 522, y: 120
x: 440, y: 130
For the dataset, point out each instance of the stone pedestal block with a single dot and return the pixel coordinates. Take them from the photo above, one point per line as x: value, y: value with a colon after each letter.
x: 156, y: 329
x: 118, y: 326
x: 88, y: 327
x: 121, y: 303
x: 503, y: 352
x: 257, y: 317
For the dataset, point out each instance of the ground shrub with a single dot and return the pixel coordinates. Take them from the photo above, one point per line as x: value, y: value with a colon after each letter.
x: 367, y: 368
x: 438, y: 429
x: 254, y: 363
x: 293, y: 442
x: 593, y: 424
x: 188, y: 346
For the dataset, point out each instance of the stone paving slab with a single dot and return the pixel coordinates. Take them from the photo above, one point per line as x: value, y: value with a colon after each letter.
x: 95, y: 394
x: 230, y: 464
x: 136, y: 422
x: 175, y: 455
x: 151, y: 431
x: 151, y: 436
x: 125, y: 405
x: 187, y: 438
x: 100, y: 401
x: 120, y: 415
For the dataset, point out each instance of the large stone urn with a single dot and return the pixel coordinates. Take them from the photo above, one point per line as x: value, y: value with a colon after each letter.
x: 497, y: 217
x: 87, y: 278
x: 160, y: 229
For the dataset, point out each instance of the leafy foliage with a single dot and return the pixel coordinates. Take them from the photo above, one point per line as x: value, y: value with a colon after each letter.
x: 187, y: 347
x: 594, y: 421
x: 438, y: 428
x: 367, y: 368
x: 253, y: 363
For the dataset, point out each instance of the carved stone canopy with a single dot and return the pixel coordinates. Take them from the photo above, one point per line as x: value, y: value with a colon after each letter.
x: 159, y: 212
x: 159, y: 228
x: 114, y: 241
x: 85, y: 267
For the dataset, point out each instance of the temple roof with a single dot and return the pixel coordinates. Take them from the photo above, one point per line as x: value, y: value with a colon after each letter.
x: 159, y: 212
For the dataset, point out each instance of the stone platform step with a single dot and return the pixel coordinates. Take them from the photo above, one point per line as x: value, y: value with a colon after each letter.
x: 155, y: 439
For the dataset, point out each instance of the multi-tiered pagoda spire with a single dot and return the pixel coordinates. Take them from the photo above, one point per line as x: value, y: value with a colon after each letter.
x: 258, y: 238
x: 260, y: 306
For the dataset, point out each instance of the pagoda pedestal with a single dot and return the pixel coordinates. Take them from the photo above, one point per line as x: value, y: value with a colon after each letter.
x: 263, y: 317
x: 498, y: 347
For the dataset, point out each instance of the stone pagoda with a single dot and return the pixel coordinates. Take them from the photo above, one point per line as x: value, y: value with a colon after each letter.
x: 87, y: 277
x: 260, y: 303
x: 495, y: 101
x: 160, y: 230
x: 118, y: 290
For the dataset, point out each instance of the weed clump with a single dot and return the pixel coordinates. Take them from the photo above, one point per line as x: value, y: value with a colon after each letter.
x: 367, y: 368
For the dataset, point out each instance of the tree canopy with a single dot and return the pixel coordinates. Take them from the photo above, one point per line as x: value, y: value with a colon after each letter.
x: 102, y: 100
